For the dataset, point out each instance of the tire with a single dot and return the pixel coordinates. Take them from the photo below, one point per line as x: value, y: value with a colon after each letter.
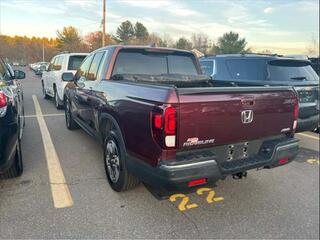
x: 16, y: 168
x: 70, y: 123
x: 57, y: 100
x: 44, y: 93
x: 115, y: 163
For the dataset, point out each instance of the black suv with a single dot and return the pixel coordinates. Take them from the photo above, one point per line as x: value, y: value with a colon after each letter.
x: 11, y: 121
x: 270, y: 70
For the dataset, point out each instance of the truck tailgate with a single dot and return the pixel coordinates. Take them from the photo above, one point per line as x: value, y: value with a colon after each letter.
x: 219, y: 116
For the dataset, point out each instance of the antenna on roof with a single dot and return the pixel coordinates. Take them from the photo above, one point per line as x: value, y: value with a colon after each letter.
x: 153, y: 45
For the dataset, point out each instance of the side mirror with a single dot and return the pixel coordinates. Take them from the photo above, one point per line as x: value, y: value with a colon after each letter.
x: 19, y: 74
x: 67, y: 77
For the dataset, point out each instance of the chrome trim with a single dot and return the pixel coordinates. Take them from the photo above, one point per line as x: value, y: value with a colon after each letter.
x: 188, y: 165
x: 285, y: 130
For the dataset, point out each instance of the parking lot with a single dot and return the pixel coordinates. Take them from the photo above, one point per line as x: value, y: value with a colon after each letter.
x: 277, y: 203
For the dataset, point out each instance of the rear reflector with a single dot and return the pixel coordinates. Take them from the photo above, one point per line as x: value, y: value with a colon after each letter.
x: 197, y: 182
x: 283, y: 160
x: 295, y: 123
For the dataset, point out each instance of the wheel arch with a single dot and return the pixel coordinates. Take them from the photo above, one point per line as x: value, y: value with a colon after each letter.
x: 106, y: 121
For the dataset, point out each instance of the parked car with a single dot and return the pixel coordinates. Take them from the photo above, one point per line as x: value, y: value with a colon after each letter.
x: 270, y: 70
x: 160, y: 121
x: 315, y: 63
x: 41, y: 68
x: 35, y: 66
x: 11, y: 121
x: 52, y: 84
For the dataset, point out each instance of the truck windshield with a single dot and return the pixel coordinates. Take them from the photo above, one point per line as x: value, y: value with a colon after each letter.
x: 75, y: 61
x: 291, y: 70
x: 138, y: 61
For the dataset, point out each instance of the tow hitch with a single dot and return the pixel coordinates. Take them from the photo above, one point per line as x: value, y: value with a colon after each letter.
x: 239, y: 175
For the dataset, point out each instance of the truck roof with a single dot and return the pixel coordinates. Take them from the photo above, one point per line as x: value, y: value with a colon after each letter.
x: 142, y: 47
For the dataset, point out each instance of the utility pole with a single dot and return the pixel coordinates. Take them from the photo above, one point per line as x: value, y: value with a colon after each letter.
x: 103, y: 22
x: 42, y: 50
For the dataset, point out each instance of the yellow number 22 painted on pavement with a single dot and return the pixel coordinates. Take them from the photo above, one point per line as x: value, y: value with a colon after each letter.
x: 211, y: 194
x: 184, y: 203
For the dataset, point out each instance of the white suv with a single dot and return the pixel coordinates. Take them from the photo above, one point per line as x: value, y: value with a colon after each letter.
x: 52, y: 84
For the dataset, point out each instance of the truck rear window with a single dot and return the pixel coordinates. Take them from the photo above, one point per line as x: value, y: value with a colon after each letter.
x: 75, y: 61
x: 154, y: 63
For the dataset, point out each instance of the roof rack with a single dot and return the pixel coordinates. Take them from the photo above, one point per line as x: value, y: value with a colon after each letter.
x: 263, y: 54
x: 243, y: 54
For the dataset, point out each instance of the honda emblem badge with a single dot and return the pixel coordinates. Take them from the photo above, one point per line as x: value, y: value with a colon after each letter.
x: 247, y: 116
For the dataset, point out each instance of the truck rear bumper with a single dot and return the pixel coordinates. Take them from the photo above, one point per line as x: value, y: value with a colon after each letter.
x: 172, y: 175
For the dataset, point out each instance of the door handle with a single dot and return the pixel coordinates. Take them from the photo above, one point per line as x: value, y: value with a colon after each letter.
x: 247, y: 102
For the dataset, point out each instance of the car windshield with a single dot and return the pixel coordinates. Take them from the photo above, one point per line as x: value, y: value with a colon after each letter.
x: 289, y: 70
x: 207, y: 67
x: 247, y: 69
x: 75, y: 61
x: 154, y: 63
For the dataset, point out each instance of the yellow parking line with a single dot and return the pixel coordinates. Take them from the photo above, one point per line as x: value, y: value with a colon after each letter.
x: 59, y: 188
x: 309, y: 136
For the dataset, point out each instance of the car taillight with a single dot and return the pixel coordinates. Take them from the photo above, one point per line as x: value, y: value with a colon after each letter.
x: 3, y: 104
x: 295, y: 114
x: 3, y: 100
x: 164, y: 126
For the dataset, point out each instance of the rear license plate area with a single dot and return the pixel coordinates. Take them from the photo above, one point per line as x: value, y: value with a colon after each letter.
x: 237, y: 151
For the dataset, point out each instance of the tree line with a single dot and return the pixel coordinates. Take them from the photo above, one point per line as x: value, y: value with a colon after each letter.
x: 27, y: 50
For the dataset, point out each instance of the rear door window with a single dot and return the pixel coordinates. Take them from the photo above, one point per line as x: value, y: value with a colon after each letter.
x: 58, y: 63
x: 51, y: 64
x: 75, y: 61
x: 207, y: 67
x: 247, y: 69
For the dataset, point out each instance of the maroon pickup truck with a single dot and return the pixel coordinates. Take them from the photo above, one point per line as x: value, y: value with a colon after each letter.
x: 160, y: 121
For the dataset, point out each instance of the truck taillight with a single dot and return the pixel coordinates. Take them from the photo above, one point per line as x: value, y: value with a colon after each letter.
x: 3, y: 100
x: 296, y: 110
x: 164, y: 126
x: 170, y: 121
x: 295, y: 115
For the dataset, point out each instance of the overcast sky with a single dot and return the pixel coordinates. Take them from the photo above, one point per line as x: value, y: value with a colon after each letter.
x: 285, y: 26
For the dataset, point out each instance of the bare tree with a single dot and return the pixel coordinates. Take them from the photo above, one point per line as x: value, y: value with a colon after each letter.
x: 313, y: 47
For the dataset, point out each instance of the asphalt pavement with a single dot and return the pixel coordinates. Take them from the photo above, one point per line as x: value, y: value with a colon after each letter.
x: 278, y: 203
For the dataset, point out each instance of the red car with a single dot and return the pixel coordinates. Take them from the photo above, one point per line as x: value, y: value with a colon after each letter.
x: 160, y: 121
